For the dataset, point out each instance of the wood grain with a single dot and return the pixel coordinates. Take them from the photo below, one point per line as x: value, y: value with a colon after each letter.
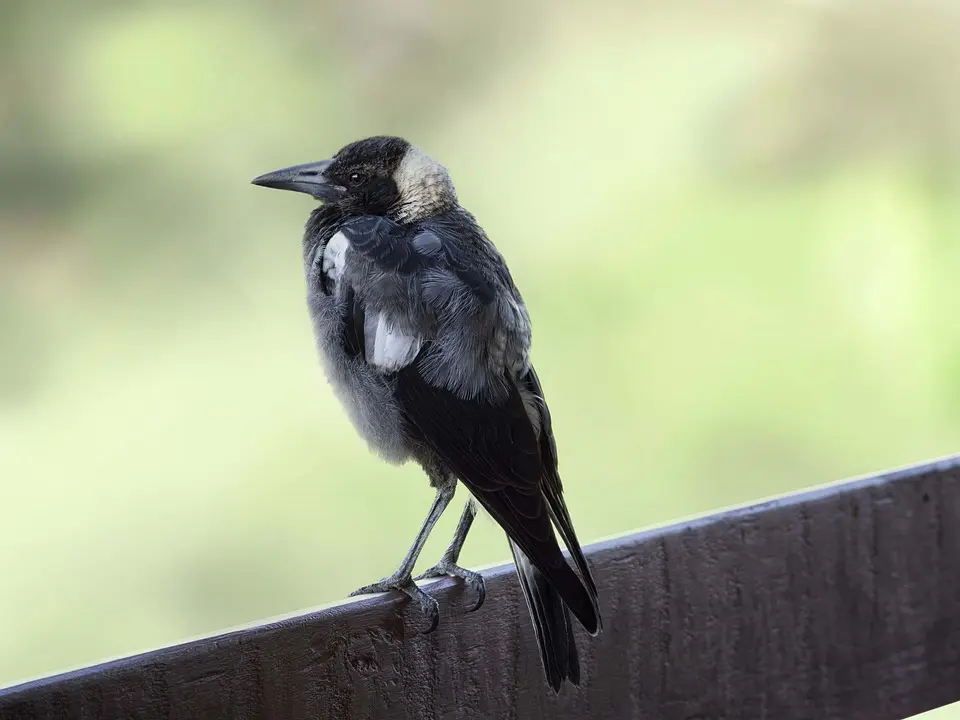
x: 842, y: 602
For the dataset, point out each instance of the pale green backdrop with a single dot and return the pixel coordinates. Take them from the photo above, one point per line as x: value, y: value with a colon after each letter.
x: 736, y: 231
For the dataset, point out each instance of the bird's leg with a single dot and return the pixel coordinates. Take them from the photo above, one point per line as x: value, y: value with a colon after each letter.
x: 402, y: 579
x: 448, y: 563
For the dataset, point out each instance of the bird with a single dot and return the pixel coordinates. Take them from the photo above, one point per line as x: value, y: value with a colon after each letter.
x: 425, y: 340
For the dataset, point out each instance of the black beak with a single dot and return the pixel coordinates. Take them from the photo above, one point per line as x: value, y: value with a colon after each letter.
x: 308, y: 178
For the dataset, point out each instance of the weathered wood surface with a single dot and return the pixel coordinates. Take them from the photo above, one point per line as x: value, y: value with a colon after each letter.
x: 840, y: 603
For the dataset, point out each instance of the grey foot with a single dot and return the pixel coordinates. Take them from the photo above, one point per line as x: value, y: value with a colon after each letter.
x: 428, y: 607
x: 469, y: 577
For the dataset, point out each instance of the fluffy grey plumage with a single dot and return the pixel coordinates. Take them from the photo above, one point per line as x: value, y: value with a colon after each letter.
x: 426, y: 341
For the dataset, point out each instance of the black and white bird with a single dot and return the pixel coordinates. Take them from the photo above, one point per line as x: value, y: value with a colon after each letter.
x: 426, y: 341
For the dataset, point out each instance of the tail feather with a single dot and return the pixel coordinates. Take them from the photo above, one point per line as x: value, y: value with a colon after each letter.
x: 551, y: 623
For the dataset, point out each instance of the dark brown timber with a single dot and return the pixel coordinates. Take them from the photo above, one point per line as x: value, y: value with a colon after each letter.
x: 841, y: 602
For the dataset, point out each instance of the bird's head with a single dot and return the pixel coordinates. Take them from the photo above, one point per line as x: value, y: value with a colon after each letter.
x: 384, y: 176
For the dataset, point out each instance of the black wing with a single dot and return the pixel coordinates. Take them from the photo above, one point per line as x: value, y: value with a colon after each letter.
x: 388, y: 246
x: 385, y: 243
x: 494, y: 450
x: 552, y: 486
x: 395, y: 248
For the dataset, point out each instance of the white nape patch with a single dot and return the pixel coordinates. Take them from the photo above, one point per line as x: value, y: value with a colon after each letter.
x: 333, y: 256
x: 424, y: 185
x: 391, y: 348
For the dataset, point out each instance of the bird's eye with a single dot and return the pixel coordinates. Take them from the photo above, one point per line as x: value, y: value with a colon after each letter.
x: 356, y: 178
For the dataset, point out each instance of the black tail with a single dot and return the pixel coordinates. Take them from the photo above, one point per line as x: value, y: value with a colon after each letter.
x: 551, y: 622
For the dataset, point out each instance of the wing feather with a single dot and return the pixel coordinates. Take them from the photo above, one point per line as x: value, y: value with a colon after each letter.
x: 494, y: 451
x: 551, y: 485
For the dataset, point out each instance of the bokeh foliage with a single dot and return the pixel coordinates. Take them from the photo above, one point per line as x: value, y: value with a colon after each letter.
x: 736, y: 232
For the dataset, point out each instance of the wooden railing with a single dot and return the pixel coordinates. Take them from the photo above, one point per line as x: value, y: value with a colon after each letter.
x: 841, y: 602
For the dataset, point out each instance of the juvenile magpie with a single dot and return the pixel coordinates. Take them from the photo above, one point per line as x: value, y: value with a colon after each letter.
x: 425, y: 339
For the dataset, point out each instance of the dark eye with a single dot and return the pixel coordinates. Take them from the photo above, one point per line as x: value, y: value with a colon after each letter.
x: 357, y: 178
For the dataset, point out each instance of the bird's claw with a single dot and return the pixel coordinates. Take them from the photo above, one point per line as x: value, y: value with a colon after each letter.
x: 447, y: 566
x: 427, y: 605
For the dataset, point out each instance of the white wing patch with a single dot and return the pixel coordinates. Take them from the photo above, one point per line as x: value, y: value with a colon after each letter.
x: 388, y: 347
x: 333, y: 256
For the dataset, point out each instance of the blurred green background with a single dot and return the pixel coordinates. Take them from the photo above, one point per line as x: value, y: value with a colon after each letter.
x: 736, y: 232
